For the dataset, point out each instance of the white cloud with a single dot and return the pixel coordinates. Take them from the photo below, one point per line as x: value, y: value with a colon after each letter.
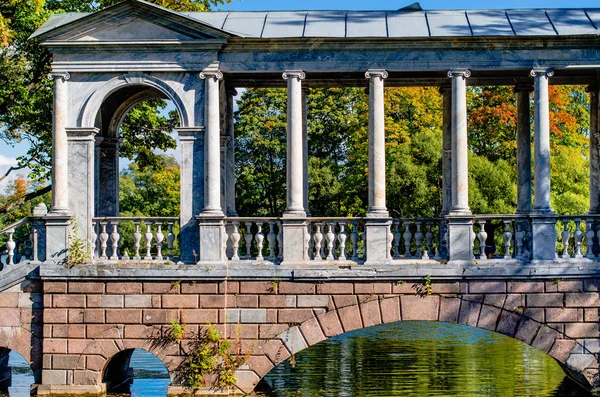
x: 6, y: 162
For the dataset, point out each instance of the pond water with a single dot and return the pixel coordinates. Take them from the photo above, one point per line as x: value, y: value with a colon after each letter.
x: 406, y: 359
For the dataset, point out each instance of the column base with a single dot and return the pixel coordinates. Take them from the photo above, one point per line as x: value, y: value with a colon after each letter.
x: 57, y: 237
x: 213, y: 240
x: 294, y: 214
x: 378, y: 242
x: 543, y: 239
x: 294, y: 241
x: 460, y: 241
x: 70, y: 390
x: 378, y: 213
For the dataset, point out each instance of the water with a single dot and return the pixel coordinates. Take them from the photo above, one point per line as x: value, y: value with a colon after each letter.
x: 412, y: 359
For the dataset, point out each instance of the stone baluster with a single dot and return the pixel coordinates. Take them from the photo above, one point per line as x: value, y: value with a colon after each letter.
x: 418, y: 240
x: 114, y: 238
x: 308, y: 240
x: 429, y: 238
x: 10, y: 245
x: 330, y: 238
x: 171, y: 240
x: 482, y: 236
x: 36, y: 238
x: 94, y: 242
x: 566, y: 234
x: 260, y: 238
x: 507, y: 239
x: 407, y: 237
x: 318, y: 238
x: 148, y: 238
x: 589, y: 238
x: 280, y: 240
x: 342, y: 241
x: 519, y: 240
x: 271, y: 238
x: 438, y: 251
x: 248, y: 239
x: 397, y: 237
x: 578, y: 236
x: 160, y: 237
x: 137, y: 237
x: 354, y: 240
x: 103, y: 241
x: 235, y: 241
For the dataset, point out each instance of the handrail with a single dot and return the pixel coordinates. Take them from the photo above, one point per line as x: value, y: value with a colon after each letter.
x: 15, y: 225
x: 134, y: 218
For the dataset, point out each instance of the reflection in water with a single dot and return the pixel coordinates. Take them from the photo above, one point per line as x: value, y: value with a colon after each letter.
x: 420, y: 359
x: 406, y: 359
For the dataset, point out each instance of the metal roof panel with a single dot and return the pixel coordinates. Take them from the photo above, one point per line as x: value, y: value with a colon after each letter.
x: 407, y: 24
x: 284, y: 24
x: 531, y: 23
x: 448, y: 23
x: 246, y: 23
x: 490, y: 23
x: 366, y: 24
x: 215, y: 19
x: 568, y: 22
x: 325, y: 24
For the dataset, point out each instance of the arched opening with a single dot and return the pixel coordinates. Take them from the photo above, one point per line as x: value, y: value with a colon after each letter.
x: 16, y: 376
x: 136, y: 372
x: 420, y: 358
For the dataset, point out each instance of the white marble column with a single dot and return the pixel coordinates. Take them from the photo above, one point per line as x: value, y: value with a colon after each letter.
x: 377, y: 205
x: 305, y: 93
x: 523, y: 149
x: 460, y: 150
x: 212, y: 145
x: 541, y: 126
x: 295, y: 156
x: 446, y: 92
x: 230, y: 161
x: 60, y: 145
x: 594, y: 149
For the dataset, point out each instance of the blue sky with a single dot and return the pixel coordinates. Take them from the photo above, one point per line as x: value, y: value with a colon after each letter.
x: 8, y: 154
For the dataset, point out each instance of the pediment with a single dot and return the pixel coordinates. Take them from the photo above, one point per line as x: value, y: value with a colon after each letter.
x: 134, y: 21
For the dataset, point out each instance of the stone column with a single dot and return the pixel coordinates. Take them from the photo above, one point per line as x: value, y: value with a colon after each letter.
x: 305, y: 93
x: 60, y: 146
x: 594, y: 149
x: 191, y: 190
x: 224, y: 171
x: 377, y: 226
x: 460, y: 223
x: 294, y: 223
x: 522, y: 92
x: 543, y: 229
x: 230, y: 162
x: 108, y: 177
x: 446, y: 92
x: 81, y: 179
x: 212, y: 235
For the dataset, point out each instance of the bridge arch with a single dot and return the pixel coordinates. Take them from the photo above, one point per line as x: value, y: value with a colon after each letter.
x: 501, y: 317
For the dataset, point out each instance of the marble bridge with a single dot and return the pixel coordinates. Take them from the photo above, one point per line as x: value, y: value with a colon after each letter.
x: 281, y: 284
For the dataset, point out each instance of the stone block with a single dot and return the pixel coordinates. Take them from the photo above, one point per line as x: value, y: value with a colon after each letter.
x: 373, y: 288
x: 276, y: 351
x: 535, y: 314
x: 294, y: 316
x: 313, y: 301
x: 584, y: 299
x: 449, y: 309
x: 111, y: 301
x: 508, y: 323
x: 137, y: 332
x: 460, y: 240
x: 312, y: 332
x: 370, y: 312
x: 570, y: 286
x: 344, y: 300
x: 390, y: 309
x: 138, y: 301
x: 333, y: 288
x: 296, y: 288
x: 53, y: 316
x: 494, y: 300
x: 350, y: 318
x: 556, y: 315
x: 104, y: 331
x: 469, y: 312
x: 76, y: 315
x: 76, y: 331
x: 54, y: 377
x: 525, y: 286
x: 78, y: 346
x: 419, y: 307
x: 487, y: 287
x: 256, y: 316
x: 445, y: 288
x: 124, y: 288
x: 55, y: 287
x: 199, y: 288
x: 161, y: 288
x: 250, y: 301
x: 582, y: 361
x: 78, y: 287
x: 260, y: 364
x: 561, y: 350
x: 515, y: 302
x: 160, y: 316
x: 545, y: 300
x: 229, y: 287
x: 592, y: 345
x: 256, y: 287
x: 31, y: 300
x: 55, y: 346
x: 68, y: 301
x: 591, y: 315
x: 269, y: 301
x: 293, y: 339
x: 67, y: 361
x: 82, y: 377
x: 591, y: 285
x: 95, y: 363
x: 544, y: 239
x: 229, y: 316
x: 527, y: 330
x: 268, y: 331
x: 9, y: 299
x: 242, y: 331
x: 11, y: 317
x: 181, y: 302
x: 123, y: 316
x: 94, y: 316
x: 488, y: 317
x: 581, y: 330
x: 93, y: 300
x: 545, y: 338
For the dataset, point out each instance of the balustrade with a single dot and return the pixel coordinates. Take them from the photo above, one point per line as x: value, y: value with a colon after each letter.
x: 416, y: 238
x: 336, y: 239
x: 254, y: 239
x: 501, y: 237
x: 114, y: 238
x: 21, y: 243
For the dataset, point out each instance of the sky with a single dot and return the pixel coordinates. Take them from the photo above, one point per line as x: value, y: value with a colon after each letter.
x: 8, y: 154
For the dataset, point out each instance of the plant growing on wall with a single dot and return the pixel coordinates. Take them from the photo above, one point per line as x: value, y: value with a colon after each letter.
x: 78, y: 252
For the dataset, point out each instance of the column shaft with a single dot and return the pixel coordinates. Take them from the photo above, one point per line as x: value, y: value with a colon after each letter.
x: 541, y: 125
x: 212, y: 145
x: 523, y: 150
x: 295, y: 157
x: 305, y: 147
x: 377, y: 204
x: 594, y: 150
x: 230, y: 161
x: 60, y: 149
x: 446, y: 149
x: 460, y: 150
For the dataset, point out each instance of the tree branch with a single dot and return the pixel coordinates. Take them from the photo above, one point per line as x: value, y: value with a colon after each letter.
x: 23, y: 199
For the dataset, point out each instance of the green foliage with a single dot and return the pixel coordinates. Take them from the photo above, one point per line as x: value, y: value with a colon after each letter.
x: 175, y: 332
x: 78, y: 251
x: 210, y: 353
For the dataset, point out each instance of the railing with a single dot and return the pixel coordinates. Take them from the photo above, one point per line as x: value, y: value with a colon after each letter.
x: 417, y: 238
x: 115, y: 237
x: 257, y: 239
x: 335, y: 239
x: 18, y: 248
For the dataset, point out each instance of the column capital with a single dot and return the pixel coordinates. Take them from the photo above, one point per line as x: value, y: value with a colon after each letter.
x: 59, y: 75
x: 211, y: 74
x: 536, y: 72
x: 465, y: 73
x: 294, y: 74
x: 372, y: 73
x: 82, y: 134
x: 523, y: 87
x: 189, y: 133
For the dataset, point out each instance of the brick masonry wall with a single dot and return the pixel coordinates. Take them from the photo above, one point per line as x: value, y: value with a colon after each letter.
x: 87, y: 323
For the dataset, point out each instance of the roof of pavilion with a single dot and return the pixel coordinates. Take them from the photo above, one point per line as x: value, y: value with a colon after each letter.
x: 392, y: 24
